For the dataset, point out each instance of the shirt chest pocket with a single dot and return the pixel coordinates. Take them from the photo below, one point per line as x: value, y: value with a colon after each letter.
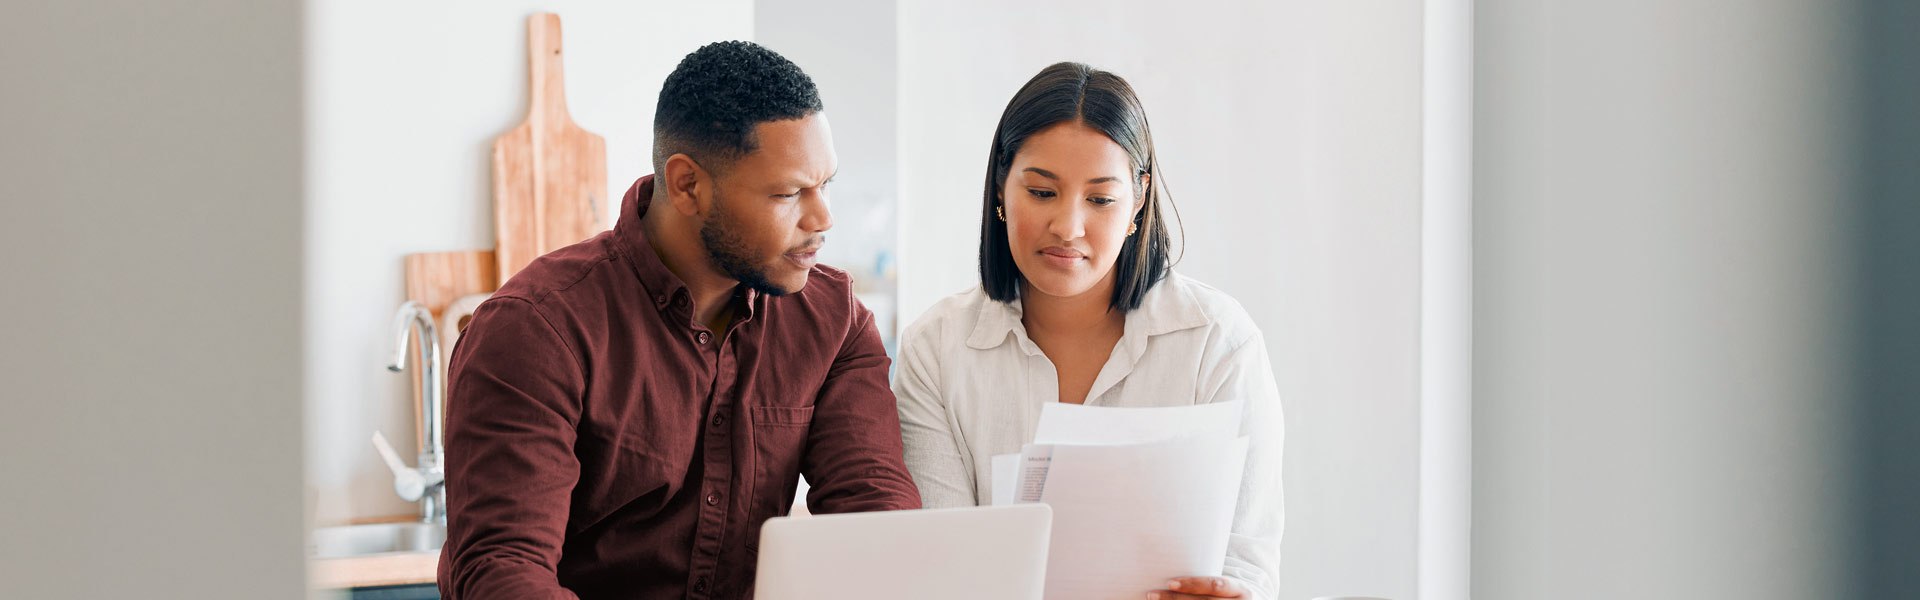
x: 779, y: 444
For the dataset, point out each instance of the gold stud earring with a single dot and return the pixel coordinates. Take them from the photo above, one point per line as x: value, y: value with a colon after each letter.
x: 1132, y: 227
x: 1001, y: 212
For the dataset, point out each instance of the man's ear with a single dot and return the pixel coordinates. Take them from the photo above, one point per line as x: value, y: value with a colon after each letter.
x: 687, y: 185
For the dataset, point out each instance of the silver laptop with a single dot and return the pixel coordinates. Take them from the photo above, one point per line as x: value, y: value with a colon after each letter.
x: 995, y: 552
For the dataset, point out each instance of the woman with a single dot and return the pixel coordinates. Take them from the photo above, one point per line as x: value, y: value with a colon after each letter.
x: 1077, y: 304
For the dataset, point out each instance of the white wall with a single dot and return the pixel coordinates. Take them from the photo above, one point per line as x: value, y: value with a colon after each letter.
x: 1290, y: 135
x: 150, y: 244
x: 849, y: 49
x: 404, y: 101
x: 1659, y: 220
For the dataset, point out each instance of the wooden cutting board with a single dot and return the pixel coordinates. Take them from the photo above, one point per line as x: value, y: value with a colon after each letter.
x: 549, y: 175
x: 436, y: 279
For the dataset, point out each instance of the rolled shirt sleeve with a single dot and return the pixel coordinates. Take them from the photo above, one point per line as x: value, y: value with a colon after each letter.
x: 853, y: 461
x: 1253, y: 546
x: 512, y: 409
x: 938, y: 461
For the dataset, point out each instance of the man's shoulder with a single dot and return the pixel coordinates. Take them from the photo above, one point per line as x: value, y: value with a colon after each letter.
x: 827, y: 281
x: 559, y: 271
x: 826, y: 305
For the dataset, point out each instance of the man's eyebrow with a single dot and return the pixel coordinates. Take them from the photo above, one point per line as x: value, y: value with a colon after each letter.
x: 802, y: 183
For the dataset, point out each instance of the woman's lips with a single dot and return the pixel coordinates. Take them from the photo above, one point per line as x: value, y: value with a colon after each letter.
x: 1062, y: 258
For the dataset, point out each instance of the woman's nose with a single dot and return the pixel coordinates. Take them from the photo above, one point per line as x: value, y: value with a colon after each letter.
x: 1069, y: 222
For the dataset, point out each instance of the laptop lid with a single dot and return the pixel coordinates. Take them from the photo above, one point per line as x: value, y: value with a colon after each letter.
x: 941, y: 554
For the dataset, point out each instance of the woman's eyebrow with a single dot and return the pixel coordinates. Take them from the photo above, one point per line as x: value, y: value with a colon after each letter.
x: 1049, y: 175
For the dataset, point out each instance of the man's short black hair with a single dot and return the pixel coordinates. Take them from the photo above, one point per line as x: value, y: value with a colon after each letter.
x: 710, y: 104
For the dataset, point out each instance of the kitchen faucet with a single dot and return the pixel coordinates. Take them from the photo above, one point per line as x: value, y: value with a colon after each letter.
x: 426, y: 482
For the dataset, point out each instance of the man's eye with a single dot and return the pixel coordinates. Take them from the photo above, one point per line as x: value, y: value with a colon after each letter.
x: 1041, y: 193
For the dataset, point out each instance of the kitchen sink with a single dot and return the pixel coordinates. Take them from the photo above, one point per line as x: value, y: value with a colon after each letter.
x: 377, y: 538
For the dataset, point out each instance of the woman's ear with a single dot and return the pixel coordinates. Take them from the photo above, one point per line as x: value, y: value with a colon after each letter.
x: 1146, y: 190
x: 686, y: 184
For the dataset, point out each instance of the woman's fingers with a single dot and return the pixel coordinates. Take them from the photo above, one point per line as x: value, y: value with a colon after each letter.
x: 1200, y: 587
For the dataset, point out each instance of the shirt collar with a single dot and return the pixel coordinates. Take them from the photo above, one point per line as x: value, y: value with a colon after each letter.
x: 1168, y: 307
x: 665, y: 290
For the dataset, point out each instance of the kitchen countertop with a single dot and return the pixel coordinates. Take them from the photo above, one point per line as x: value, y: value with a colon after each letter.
x: 393, y: 568
x: 390, y: 568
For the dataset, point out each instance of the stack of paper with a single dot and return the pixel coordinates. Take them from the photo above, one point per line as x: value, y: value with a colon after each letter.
x: 1139, y: 495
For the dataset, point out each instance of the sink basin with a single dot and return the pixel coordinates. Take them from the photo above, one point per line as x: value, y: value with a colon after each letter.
x: 376, y: 538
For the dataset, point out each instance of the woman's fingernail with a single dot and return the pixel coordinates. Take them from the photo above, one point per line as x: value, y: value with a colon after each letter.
x: 1174, y: 585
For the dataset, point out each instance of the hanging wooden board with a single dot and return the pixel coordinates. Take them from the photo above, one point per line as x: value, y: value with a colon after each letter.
x: 549, y: 175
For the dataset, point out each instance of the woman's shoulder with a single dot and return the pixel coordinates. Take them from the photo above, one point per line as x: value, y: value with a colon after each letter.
x: 948, y: 319
x: 1179, y: 297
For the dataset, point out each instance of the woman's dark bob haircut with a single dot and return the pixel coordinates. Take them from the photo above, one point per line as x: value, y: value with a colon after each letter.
x: 1071, y: 92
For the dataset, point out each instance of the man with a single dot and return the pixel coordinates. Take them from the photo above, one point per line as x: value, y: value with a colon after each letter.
x: 626, y: 412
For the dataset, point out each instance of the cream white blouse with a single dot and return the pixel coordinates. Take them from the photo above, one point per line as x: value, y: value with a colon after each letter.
x: 971, y: 383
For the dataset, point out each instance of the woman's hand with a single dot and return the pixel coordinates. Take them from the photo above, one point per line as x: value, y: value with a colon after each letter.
x: 1195, y: 588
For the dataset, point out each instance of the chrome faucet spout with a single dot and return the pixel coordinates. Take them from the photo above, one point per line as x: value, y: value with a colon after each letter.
x: 414, y: 322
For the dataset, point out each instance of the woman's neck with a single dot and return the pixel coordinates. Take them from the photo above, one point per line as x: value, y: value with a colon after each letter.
x: 1087, y: 313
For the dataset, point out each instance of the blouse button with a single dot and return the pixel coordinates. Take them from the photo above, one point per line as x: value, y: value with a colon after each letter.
x: 703, y: 337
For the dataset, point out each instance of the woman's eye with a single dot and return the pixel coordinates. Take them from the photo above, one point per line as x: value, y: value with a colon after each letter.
x: 1041, y: 193
x: 1099, y: 201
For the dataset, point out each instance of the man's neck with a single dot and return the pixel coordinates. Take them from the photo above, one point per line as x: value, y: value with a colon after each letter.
x: 678, y: 246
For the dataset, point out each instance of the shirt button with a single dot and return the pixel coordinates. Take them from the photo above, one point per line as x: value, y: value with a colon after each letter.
x: 700, y: 585
x: 704, y: 337
x: 713, y: 499
x: 719, y: 420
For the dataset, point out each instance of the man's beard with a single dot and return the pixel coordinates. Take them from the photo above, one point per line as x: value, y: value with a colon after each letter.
x: 731, y: 254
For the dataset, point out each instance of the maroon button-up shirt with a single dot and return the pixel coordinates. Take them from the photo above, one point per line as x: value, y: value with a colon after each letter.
x: 603, y: 444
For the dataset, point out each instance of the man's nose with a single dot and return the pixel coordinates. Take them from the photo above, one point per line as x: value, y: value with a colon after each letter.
x: 817, y: 215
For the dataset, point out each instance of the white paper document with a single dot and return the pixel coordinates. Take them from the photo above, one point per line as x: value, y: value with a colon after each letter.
x: 1006, y: 478
x: 1063, y: 423
x: 1139, y: 495
x: 1128, y: 518
x: 1020, y: 478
